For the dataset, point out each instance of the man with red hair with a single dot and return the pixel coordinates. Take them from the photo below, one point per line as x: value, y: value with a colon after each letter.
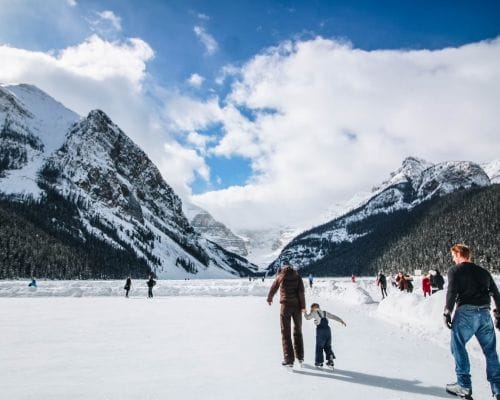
x: 470, y: 288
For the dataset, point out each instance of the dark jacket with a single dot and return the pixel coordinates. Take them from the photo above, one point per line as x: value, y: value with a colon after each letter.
x: 470, y: 284
x: 291, y: 288
x: 437, y: 281
x: 382, y: 280
x: 128, y: 284
x: 151, y: 282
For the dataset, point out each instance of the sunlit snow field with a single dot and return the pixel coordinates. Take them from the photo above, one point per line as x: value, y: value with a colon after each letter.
x: 218, y: 339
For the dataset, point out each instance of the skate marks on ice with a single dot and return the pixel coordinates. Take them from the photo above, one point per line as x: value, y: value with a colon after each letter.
x: 384, y: 382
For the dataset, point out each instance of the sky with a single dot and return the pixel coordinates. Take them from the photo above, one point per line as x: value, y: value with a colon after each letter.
x: 268, y: 113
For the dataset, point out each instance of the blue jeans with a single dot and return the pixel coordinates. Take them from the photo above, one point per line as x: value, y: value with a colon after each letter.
x: 474, y: 321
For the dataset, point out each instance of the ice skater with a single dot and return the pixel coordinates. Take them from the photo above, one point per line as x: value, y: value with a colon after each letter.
x: 323, y: 334
x: 470, y: 287
x: 426, y: 285
x: 293, y: 304
x: 128, y: 286
x: 311, y: 280
x: 382, y: 282
x: 151, y: 282
x: 32, y: 283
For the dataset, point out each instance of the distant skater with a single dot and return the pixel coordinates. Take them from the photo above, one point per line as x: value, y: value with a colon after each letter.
x: 128, y: 286
x: 353, y: 278
x: 293, y: 304
x: 382, y: 282
x: 426, y: 285
x: 311, y: 280
x: 437, y: 281
x: 471, y: 288
x: 32, y: 283
x: 323, y: 334
x: 151, y: 282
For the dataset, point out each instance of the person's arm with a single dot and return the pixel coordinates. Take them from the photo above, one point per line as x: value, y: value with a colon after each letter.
x: 274, y: 288
x: 335, y: 318
x: 302, y: 299
x: 308, y: 315
x: 451, y: 294
x: 493, y: 289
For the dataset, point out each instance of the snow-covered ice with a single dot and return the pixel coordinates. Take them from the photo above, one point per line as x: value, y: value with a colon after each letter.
x: 217, y: 340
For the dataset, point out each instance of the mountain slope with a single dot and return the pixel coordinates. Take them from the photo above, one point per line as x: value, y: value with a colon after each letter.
x: 341, y: 245
x: 213, y: 230
x: 118, y: 196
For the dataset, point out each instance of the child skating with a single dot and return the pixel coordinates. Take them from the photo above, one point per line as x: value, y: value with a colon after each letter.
x: 323, y: 334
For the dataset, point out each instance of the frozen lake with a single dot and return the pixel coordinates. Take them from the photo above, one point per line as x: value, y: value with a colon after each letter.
x: 217, y: 345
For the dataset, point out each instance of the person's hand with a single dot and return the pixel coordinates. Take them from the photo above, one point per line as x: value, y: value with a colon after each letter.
x: 270, y: 302
x: 447, y: 320
x: 343, y: 323
x: 304, y: 311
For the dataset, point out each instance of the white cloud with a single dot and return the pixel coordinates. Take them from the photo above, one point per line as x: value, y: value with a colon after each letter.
x: 206, y: 39
x: 203, y: 17
x: 196, y: 80
x: 110, y: 76
x: 72, y: 3
x: 330, y: 120
x: 112, y: 18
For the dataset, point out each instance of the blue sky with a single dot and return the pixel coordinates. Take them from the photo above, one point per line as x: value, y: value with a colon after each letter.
x: 206, y: 37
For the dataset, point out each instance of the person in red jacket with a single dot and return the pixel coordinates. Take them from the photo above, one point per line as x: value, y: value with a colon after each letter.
x: 426, y: 285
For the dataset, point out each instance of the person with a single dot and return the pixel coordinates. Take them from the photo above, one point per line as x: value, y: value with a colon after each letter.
x: 409, y: 283
x: 292, y: 302
x: 32, y: 283
x: 470, y: 287
x: 382, y: 282
x: 151, y: 282
x: 401, y: 282
x: 323, y: 334
x: 353, y: 278
x: 311, y: 279
x: 426, y: 285
x: 128, y: 286
x: 437, y: 281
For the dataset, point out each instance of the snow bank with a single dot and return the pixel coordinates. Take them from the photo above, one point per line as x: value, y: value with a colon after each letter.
x: 335, y: 289
x: 343, y: 290
x: 217, y: 288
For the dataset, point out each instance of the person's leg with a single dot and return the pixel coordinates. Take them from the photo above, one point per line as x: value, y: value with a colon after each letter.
x: 298, y: 340
x: 487, y: 340
x: 286, y: 334
x: 328, y: 346
x: 318, y: 359
x: 462, y: 329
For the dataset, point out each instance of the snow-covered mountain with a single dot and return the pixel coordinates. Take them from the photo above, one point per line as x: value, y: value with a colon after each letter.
x: 120, y: 194
x: 264, y: 245
x: 414, y: 183
x: 492, y: 169
x: 205, y: 224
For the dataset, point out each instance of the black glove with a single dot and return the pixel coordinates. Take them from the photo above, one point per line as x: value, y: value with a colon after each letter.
x: 496, y: 314
x: 447, y: 320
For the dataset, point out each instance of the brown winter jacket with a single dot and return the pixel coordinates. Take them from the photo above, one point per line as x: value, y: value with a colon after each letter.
x: 291, y: 289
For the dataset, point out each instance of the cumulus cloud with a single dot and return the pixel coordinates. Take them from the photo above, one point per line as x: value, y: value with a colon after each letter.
x: 196, y: 80
x: 206, y: 39
x: 328, y: 120
x: 112, y: 76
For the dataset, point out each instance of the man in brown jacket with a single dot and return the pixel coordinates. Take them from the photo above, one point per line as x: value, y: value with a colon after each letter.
x: 292, y: 303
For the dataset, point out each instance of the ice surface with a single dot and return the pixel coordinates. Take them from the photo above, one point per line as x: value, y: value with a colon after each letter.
x: 217, y: 340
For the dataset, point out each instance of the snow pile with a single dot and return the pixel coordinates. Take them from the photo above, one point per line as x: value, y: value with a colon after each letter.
x: 164, y: 288
x: 342, y: 290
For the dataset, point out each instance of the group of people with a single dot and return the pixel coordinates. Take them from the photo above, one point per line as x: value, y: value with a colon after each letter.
x: 150, y: 283
x: 431, y: 282
x: 470, y: 288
